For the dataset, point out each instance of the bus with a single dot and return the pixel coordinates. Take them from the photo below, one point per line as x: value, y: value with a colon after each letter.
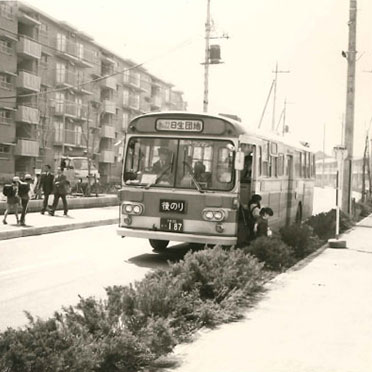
x: 185, y: 176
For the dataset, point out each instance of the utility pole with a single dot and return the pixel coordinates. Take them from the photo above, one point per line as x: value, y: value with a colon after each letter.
x: 349, y: 118
x: 206, y: 57
x: 210, y: 58
x: 324, y: 135
x: 274, y: 99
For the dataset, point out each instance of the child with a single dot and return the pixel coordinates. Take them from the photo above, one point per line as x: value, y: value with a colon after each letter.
x: 12, y: 198
x: 261, y: 227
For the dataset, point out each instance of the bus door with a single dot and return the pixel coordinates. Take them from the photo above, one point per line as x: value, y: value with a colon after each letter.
x: 290, y: 189
x: 247, y: 174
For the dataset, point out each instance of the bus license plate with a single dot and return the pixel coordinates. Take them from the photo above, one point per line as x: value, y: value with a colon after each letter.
x: 171, y: 224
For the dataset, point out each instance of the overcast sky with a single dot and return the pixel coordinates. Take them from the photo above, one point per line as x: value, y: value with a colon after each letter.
x: 305, y: 37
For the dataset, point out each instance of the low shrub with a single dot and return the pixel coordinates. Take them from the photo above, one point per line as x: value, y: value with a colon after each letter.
x: 324, y: 224
x: 138, y: 323
x: 363, y: 209
x: 273, y: 252
x: 301, y: 238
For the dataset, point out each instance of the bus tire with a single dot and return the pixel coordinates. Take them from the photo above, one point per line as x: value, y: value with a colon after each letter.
x: 299, y: 213
x: 158, y: 245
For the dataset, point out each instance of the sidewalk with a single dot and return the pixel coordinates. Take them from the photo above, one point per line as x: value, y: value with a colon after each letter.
x: 43, y: 224
x: 316, y: 317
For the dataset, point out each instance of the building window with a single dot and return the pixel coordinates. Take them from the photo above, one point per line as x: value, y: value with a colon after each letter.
x: 61, y: 72
x: 167, y: 95
x: 44, y: 60
x: 58, y: 131
x: 5, y: 117
x: 78, y: 135
x: 5, y: 46
x: 126, y: 75
x: 5, y: 82
x: 125, y: 120
x: 134, y: 101
x: 61, y: 42
x: 43, y: 30
x: 60, y: 101
x: 125, y: 97
x: 135, y: 79
x: 4, y: 149
x: 80, y: 50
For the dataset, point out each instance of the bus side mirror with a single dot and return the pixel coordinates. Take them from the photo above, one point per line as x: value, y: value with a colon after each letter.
x: 239, y: 160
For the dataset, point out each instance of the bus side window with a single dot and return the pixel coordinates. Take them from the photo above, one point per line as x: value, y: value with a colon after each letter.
x: 265, y: 161
x: 260, y: 161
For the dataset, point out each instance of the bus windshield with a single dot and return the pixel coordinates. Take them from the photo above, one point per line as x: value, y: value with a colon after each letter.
x: 180, y: 163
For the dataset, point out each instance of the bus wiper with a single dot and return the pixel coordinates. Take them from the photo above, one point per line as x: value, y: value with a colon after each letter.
x: 196, y: 183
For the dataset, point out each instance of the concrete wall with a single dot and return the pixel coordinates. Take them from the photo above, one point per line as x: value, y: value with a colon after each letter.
x: 73, y: 203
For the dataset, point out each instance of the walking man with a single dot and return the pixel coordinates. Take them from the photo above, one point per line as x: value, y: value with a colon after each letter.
x: 24, y: 189
x: 46, y: 184
x: 60, y: 185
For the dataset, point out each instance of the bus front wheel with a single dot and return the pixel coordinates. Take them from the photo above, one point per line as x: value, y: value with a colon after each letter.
x: 158, y: 245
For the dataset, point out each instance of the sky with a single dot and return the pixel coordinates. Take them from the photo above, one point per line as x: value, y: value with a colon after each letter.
x: 305, y: 38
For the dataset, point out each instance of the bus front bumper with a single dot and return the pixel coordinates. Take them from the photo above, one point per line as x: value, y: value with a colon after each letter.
x: 178, y: 237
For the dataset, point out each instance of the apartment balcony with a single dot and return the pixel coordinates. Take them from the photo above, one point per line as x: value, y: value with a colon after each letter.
x: 107, y: 156
x: 27, y: 114
x: 27, y: 147
x: 28, y: 81
x: 27, y: 19
x: 66, y: 78
x: 156, y: 101
x: 76, y: 53
x: 108, y: 131
x: 71, y: 109
x: 109, y: 83
x: 28, y: 48
x: 109, y: 106
x: 74, y: 138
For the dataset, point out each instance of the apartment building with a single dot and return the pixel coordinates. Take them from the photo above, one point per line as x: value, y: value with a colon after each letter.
x: 62, y: 94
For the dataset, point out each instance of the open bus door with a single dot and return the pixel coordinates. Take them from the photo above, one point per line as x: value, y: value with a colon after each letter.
x: 247, y: 186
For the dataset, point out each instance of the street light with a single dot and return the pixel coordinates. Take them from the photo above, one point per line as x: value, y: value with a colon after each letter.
x: 340, y: 153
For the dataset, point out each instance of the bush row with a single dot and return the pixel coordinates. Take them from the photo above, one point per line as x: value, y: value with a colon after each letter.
x: 136, y: 324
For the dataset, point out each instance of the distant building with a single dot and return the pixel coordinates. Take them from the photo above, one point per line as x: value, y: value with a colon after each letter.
x: 50, y: 105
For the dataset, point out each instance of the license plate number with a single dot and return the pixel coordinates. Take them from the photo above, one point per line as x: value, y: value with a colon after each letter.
x: 171, y: 224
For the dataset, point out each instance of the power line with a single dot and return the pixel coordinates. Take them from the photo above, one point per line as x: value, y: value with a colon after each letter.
x: 101, y: 78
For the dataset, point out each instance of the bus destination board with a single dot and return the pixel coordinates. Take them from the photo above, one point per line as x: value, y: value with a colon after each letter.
x: 177, y: 125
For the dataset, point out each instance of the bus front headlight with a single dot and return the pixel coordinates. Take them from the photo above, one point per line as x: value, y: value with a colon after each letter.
x: 214, y: 214
x: 132, y: 208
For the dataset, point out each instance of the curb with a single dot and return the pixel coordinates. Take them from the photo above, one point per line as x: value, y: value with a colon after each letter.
x: 23, y: 232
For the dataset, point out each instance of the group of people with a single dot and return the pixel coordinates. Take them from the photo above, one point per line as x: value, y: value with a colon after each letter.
x: 19, y: 193
x: 256, y: 218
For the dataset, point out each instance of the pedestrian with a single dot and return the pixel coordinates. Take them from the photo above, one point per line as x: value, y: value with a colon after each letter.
x: 252, y: 213
x: 60, y: 186
x: 24, y: 190
x: 261, y: 227
x: 37, y: 187
x: 12, y: 199
x: 46, y: 184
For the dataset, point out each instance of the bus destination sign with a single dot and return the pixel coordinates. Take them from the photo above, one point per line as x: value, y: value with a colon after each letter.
x: 178, y: 125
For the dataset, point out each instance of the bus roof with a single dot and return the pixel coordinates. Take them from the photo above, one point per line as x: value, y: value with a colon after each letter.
x: 238, y: 127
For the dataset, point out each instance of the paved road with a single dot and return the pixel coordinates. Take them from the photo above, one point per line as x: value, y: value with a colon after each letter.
x: 41, y: 274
